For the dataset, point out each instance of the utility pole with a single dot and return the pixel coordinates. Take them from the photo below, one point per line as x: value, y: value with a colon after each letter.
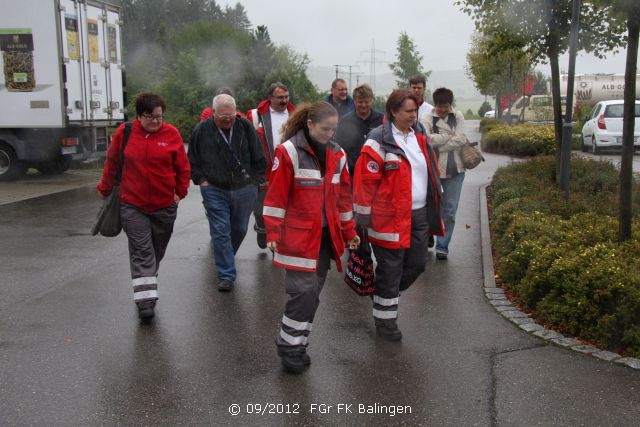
x: 567, y: 127
x: 338, y: 70
x: 372, y: 63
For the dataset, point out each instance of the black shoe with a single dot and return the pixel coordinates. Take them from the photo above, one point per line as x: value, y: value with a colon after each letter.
x: 441, y: 255
x: 389, y: 332
x: 293, y: 361
x: 145, y: 310
x: 225, y: 285
x: 305, y: 358
x: 432, y: 241
x: 262, y: 240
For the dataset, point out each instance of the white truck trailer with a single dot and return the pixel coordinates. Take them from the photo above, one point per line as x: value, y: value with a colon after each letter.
x: 62, y: 83
x: 592, y: 88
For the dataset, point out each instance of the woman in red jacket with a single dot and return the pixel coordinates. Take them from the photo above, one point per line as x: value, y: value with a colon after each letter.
x: 397, y: 196
x: 155, y: 176
x: 308, y: 217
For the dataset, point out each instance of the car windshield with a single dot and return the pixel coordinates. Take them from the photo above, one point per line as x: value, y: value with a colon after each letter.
x: 617, y: 111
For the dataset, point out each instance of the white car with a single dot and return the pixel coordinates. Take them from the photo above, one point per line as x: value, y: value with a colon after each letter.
x: 491, y: 114
x: 603, y: 127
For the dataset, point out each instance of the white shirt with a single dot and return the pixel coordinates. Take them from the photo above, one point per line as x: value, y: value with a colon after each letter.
x: 424, y: 108
x: 278, y: 120
x: 419, y: 171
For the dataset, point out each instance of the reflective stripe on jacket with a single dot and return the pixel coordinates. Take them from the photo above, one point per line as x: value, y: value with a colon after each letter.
x: 382, y: 189
x: 295, y: 201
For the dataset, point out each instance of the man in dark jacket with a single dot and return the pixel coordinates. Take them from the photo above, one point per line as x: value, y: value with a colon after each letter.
x: 227, y: 162
x: 354, y: 127
x: 339, y: 97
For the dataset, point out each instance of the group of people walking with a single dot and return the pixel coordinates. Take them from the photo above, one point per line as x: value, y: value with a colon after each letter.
x: 318, y: 178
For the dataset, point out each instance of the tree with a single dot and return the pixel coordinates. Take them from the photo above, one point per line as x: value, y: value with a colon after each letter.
x: 628, y: 11
x: 408, y: 61
x: 542, y: 27
x: 540, y: 87
x: 484, y: 108
x: 495, y: 67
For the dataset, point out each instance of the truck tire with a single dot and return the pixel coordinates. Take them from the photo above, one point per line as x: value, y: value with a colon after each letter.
x: 10, y: 167
x: 56, y: 167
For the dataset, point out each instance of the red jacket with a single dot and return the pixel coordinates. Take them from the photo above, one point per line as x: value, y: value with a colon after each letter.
x: 294, y: 203
x: 382, y: 190
x: 261, y: 120
x: 155, y: 167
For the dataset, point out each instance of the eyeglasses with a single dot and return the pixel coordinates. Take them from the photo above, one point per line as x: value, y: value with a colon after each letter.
x: 152, y: 117
x: 224, y: 116
x: 281, y: 98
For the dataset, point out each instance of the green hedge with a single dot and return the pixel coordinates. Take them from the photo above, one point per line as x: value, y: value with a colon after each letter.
x: 519, y: 140
x: 562, y: 261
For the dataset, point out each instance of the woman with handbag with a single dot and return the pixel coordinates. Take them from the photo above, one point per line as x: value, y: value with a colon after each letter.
x: 444, y: 127
x: 155, y: 176
x: 397, y: 198
x: 308, y: 218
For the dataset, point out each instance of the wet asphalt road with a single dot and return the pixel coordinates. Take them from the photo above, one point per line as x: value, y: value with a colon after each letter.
x: 72, y: 351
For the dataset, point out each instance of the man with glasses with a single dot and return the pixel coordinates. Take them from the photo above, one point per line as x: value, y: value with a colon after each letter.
x: 340, y: 99
x: 269, y: 118
x: 227, y: 162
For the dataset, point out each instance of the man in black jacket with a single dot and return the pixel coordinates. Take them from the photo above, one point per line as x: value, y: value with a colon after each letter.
x: 355, y: 126
x: 227, y: 162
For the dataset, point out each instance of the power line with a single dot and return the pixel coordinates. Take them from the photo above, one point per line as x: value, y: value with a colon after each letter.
x: 372, y: 61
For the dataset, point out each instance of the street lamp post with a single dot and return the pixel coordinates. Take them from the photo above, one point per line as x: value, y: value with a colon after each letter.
x: 567, y: 128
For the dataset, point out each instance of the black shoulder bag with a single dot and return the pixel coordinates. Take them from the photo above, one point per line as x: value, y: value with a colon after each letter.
x: 108, y: 219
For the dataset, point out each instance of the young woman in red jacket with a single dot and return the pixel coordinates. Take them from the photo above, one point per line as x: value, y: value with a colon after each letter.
x: 308, y: 217
x: 155, y: 176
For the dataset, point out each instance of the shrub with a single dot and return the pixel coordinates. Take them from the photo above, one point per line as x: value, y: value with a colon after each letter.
x: 561, y: 260
x: 488, y: 124
x: 519, y: 140
x: 484, y: 108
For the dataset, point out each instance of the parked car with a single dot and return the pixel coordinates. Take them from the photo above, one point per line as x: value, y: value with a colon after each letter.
x: 603, y: 127
x: 491, y: 114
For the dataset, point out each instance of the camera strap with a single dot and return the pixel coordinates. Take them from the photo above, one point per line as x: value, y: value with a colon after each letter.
x: 233, y: 154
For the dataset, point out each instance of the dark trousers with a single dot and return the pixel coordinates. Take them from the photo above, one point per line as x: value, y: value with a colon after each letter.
x: 257, y: 212
x: 303, y: 297
x: 148, y: 234
x: 397, y: 269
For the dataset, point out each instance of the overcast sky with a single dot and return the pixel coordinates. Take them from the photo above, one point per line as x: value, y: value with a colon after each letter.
x: 338, y: 31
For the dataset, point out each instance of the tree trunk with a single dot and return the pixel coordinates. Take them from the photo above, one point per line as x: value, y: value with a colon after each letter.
x: 628, y: 124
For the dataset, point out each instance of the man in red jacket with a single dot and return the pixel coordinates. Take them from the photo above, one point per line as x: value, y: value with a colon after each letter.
x: 268, y: 119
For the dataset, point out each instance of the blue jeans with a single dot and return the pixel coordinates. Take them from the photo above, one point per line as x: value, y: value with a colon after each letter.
x: 452, y: 187
x: 228, y: 212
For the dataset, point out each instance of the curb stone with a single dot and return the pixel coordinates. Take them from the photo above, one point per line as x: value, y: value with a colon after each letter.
x: 502, y: 305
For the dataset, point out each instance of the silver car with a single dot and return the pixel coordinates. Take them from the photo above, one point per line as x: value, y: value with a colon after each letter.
x: 603, y: 127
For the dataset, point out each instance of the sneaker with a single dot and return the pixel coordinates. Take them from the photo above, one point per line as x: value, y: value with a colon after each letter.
x: 145, y: 310
x: 293, y: 361
x: 262, y: 240
x: 389, y: 331
x: 441, y: 255
x: 225, y: 285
